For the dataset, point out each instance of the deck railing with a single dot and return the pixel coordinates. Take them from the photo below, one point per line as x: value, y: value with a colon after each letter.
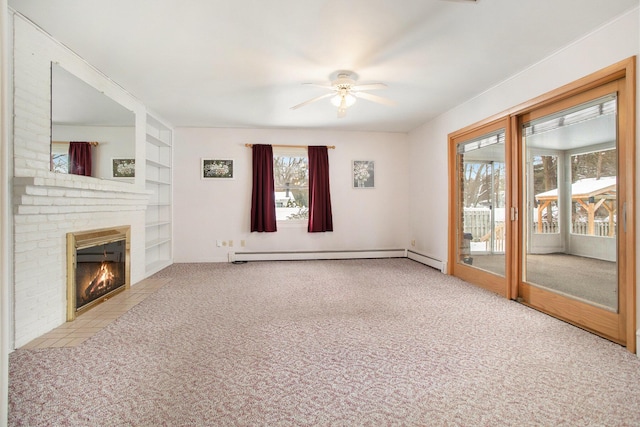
x: 477, y: 222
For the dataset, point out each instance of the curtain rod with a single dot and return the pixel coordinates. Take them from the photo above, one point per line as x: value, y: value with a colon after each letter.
x: 291, y: 146
x: 93, y: 143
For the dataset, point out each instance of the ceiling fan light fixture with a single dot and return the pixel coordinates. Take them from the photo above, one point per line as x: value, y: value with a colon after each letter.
x: 343, y: 100
x: 345, y: 91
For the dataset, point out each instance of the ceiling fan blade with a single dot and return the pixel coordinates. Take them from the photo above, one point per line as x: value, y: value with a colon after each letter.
x: 370, y: 86
x: 323, y: 86
x: 374, y: 98
x: 317, y: 98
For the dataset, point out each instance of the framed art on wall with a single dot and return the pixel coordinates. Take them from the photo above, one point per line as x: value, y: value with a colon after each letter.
x: 216, y: 169
x: 123, y: 168
x: 363, y: 173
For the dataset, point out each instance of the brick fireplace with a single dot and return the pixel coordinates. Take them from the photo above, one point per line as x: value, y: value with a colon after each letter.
x: 46, y: 210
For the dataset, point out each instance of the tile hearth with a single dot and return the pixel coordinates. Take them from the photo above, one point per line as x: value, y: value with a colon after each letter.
x: 93, y: 321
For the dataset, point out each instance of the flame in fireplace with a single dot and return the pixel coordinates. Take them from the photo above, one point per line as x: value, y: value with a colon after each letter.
x: 100, y: 283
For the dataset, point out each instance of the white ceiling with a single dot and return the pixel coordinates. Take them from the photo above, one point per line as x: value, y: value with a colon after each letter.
x: 241, y: 63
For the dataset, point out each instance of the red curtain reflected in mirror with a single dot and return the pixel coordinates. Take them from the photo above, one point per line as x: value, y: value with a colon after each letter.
x: 80, y: 158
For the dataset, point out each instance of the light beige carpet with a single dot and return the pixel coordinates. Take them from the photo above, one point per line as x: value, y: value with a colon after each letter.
x: 327, y: 343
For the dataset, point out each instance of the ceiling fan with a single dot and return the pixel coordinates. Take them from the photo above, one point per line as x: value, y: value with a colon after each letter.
x: 345, y: 91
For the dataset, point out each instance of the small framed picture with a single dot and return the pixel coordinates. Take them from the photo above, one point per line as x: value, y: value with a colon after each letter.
x: 123, y: 168
x: 363, y: 173
x: 216, y: 169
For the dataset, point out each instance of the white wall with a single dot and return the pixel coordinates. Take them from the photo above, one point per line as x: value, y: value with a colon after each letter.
x: 616, y: 41
x: 209, y: 210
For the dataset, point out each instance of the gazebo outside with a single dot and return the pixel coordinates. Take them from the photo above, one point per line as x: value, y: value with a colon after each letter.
x: 590, y: 194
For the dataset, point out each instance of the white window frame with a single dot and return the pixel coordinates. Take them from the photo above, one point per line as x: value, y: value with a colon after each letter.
x: 291, y: 152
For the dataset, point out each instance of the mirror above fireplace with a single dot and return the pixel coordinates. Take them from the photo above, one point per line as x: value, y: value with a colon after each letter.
x: 81, y: 113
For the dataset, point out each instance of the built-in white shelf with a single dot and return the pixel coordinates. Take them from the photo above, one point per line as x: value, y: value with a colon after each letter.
x: 157, y: 242
x: 157, y: 223
x: 158, y: 180
x: 155, y: 139
x: 157, y: 164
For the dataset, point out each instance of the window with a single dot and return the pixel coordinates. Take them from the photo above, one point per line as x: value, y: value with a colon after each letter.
x: 60, y: 157
x: 291, y: 182
x: 594, y: 193
x: 545, y: 192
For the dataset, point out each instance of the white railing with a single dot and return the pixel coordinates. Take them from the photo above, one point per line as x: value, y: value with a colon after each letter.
x: 600, y: 228
x: 547, y: 227
x: 477, y: 222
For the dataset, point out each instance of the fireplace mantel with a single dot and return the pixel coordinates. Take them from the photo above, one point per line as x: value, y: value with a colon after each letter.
x: 61, y: 193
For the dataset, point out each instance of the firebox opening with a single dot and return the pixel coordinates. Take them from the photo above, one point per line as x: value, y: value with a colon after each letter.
x: 99, y: 270
x: 98, y: 267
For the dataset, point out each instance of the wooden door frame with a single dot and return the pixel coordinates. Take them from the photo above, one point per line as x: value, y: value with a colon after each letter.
x: 485, y: 279
x: 625, y: 69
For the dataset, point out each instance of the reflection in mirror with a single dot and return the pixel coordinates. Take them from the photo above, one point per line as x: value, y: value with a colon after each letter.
x: 88, y: 129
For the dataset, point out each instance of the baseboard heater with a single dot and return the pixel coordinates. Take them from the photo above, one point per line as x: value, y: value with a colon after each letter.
x: 352, y: 254
x: 427, y: 260
x: 315, y: 255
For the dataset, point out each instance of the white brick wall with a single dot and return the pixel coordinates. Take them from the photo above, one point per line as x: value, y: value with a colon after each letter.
x: 47, y: 206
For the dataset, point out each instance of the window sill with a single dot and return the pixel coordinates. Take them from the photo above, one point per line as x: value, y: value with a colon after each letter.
x: 292, y: 223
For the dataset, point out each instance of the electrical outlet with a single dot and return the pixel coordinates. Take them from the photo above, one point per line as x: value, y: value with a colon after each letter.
x: 242, y: 243
x: 230, y: 243
x: 219, y: 243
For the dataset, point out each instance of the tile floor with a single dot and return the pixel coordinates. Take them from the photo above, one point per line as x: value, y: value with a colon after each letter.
x: 95, y: 319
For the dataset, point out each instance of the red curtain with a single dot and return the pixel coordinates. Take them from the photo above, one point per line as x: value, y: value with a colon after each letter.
x: 320, y: 218
x: 80, y: 158
x: 263, y: 197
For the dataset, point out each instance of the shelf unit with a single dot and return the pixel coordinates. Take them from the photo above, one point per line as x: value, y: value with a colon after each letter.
x: 158, y: 226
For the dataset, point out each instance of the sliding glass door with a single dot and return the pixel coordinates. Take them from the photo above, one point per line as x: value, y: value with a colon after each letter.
x: 542, y: 204
x: 570, y: 218
x: 481, y: 194
x: 571, y: 215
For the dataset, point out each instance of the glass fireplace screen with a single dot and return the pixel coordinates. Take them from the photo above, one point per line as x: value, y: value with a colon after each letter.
x: 99, y: 271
